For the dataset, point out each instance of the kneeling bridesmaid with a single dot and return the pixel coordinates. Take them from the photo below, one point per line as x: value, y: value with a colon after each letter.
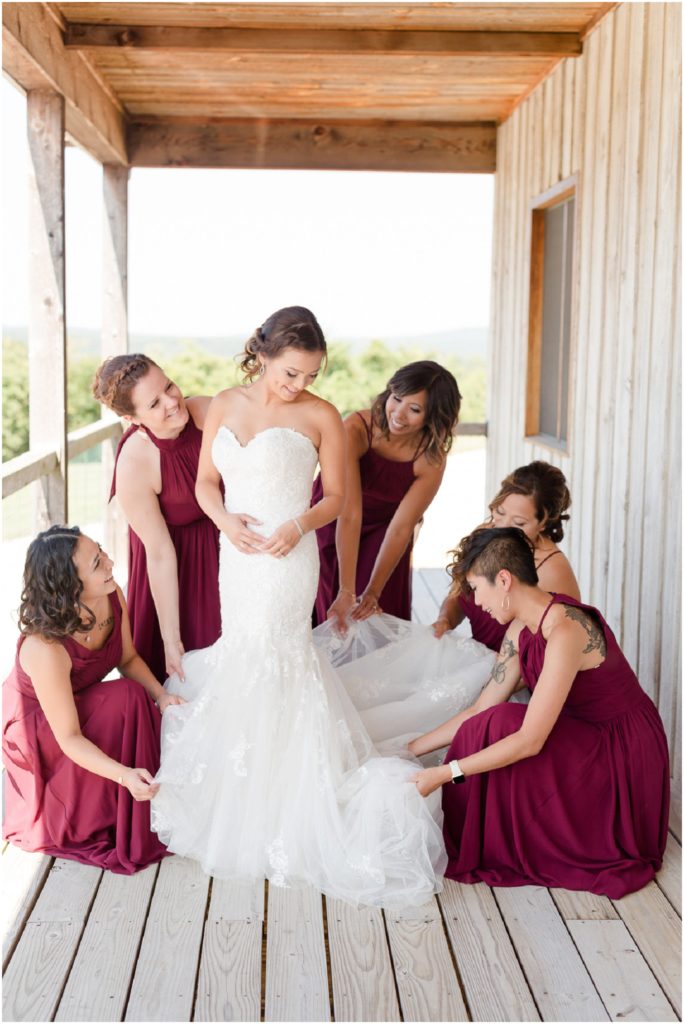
x: 80, y: 751
x: 571, y: 790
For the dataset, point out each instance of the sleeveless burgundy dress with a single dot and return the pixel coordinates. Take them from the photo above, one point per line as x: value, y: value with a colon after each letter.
x: 196, y: 541
x: 384, y: 484
x: 54, y: 806
x: 590, y: 811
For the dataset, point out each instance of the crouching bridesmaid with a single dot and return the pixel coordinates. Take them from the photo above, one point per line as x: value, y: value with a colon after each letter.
x: 571, y: 790
x: 80, y: 751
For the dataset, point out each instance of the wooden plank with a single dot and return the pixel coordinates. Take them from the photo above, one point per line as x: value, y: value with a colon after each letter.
x: 493, y: 982
x: 34, y: 56
x: 426, y: 979
x: 99, y: 979
x: 560, y: 983
x: 84, y: 36
x: 47, y: 307
x: 229, y: 980
x: 624, y: 980
x: 583, y: 906
x: 360, y: 964
x: 669, y: 878
x: 164, y: 981
x: 424, y: 607
x: 341, y: 145
x: 24, y: 469
x: 657, y: 931
x: 36, y: 973
x: 23, y: 876
x: 85, y: 438
x: 676, y: 809
x: 296, y: 968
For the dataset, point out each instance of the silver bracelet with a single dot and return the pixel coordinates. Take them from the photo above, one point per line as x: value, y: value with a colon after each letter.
x: 299, y: 527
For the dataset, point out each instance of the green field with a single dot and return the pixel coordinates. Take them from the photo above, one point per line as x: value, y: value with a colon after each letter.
x: 86, y: 502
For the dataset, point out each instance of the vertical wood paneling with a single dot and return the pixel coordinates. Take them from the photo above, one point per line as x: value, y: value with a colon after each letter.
x: 614, y: 116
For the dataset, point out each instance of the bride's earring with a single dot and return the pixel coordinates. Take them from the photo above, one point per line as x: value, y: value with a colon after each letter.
x: 261, y: 369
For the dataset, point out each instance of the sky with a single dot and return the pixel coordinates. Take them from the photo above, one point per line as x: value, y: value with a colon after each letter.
x: 214, y: 252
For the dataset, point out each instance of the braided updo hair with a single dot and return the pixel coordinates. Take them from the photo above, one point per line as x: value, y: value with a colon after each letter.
x: 547, y: 487
x: 116, y: 378
x: 51, y: 595
x: 291, y: 327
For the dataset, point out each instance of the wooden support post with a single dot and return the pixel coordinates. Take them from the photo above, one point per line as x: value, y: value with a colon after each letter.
x: 47, y: 304
x: 114, y: 336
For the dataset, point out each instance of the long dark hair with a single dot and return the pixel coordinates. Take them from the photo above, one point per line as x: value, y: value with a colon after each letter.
x: 51, y: 596
x: 442, y: 407
x: 488, y: 550
x: 290, y: 327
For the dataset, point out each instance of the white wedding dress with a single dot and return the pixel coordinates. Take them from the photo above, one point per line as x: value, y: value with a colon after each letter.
x: 267, y: 770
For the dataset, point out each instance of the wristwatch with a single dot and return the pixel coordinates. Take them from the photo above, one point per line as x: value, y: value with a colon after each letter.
x: 456, y: 773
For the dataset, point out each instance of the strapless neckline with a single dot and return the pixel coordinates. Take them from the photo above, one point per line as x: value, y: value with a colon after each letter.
x: 266, y: 430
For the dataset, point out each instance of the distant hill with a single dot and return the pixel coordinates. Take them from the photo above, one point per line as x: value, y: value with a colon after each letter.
x: 466, y: 342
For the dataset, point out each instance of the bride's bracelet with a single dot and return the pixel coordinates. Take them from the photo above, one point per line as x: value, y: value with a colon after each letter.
x: 299, y: 527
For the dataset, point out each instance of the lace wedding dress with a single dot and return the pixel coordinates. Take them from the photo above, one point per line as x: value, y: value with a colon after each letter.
x: 268, y: 771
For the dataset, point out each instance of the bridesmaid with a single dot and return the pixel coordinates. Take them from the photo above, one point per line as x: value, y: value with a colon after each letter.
x: 571, y: 790
x: 534, y: 498
x: 79, y: 752
x: 173, y: 546
x: 396, y: 457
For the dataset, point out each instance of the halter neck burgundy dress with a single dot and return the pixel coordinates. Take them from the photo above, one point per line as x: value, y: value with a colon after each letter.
x: 54, y: 806
x: 590, y: 811
x: 196, y: 541
x: 384, y: 484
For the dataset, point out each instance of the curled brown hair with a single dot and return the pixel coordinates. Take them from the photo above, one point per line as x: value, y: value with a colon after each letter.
x: 51, y: 596
x: 116, y: 378
x: 488, y: 550
x: 442, y: 407
x: 290, y: 327
x: 546, y: 486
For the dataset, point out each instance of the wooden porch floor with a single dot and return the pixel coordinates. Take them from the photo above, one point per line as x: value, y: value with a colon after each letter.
x: 171, y: 944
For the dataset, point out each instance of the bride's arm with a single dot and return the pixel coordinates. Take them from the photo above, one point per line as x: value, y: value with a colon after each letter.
x: 208, y: 486
x: 331, y: 458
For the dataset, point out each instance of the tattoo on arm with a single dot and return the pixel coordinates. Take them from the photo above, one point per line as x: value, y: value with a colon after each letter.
x: 597, y: 641
x: 508, y: 651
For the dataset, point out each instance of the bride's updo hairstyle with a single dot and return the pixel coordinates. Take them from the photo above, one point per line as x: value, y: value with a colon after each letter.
x: 488, y: 550
x: 51, y: 595
x: 443, y: 405
x: 291, y: 327
x: 547, y: 488
x: 116, y: 378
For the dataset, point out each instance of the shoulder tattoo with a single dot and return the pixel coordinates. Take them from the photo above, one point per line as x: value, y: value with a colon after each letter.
x: 596, y: 641
x: 508, y: 651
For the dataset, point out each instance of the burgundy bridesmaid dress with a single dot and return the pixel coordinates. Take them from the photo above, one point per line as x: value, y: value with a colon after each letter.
x: 384, y: 484
x: 484, y: 627
x: 196, y: 541
x: 54, y: 806
x: 590, y: 811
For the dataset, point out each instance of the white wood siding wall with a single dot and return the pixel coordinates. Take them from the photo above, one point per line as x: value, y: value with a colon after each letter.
x: 614, y: 116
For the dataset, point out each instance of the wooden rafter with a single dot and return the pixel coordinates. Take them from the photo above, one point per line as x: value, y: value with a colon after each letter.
x: 83, y: 36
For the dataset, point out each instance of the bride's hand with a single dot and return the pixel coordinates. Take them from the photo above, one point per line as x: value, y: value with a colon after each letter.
x: 239, y: 534
x: 281, y: 543
x: 340, y: 609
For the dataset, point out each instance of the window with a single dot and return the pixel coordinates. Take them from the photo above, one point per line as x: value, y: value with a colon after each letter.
x: 550, y: 326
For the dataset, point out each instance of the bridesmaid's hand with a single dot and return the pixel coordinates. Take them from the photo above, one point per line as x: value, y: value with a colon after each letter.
x: 281, y: 543
x: 441, y: 626
x: 239, y: 534
x: 173, y: 656
x: 140, y: 783
x: 367, y: 606
x: 167, y: 699
x: 431, y: 779
x: 340, y: 609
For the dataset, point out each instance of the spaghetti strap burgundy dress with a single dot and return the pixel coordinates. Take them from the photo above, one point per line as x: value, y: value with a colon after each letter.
x: 384, y: 484
x: 196, y: 541
x: 55, y: 806
x: 590, y: 811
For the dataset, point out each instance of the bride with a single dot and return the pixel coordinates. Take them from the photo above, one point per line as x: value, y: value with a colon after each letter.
x: 267, y: 770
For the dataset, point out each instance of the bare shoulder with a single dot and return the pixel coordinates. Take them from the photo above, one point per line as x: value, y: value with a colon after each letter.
x: 324, y: 411
x: 575, y: 625
x: 39, y: 654
x: 556, y: 575
x: 198, y: 406
x: 138, y: 462
x: 356, y: 426
x: 428, y: 469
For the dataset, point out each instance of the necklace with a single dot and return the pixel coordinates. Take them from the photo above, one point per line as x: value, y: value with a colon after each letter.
x: 100, y: 625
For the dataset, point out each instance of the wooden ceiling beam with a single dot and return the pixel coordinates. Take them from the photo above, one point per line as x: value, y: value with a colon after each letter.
x: 33, y: 56
x: 315, y: 145
x: 86, y: 36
